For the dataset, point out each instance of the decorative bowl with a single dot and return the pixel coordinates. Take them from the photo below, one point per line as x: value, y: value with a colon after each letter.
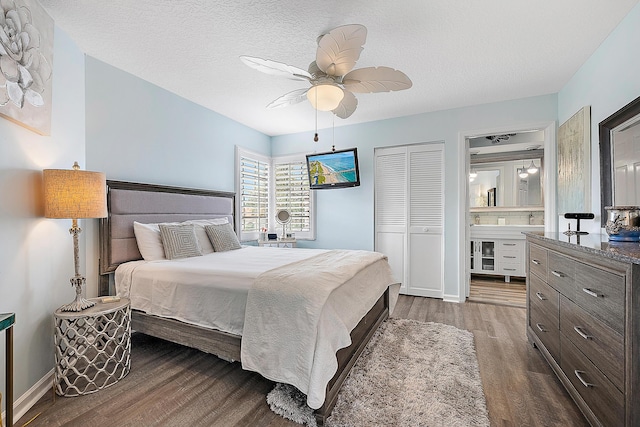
x: 623, y: 223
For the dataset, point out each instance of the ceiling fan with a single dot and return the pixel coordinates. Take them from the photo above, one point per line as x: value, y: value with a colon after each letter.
x: 332, y: 78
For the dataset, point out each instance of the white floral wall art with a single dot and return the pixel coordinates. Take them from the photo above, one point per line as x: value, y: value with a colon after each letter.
x: 26, y: 64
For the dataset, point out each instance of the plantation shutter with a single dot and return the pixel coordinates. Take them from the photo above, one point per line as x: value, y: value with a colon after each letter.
x: 292, y: 193
x: 254, y: 196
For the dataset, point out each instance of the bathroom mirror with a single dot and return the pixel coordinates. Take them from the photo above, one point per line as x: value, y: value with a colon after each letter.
x: 620, y: 158
x: 512, y: 181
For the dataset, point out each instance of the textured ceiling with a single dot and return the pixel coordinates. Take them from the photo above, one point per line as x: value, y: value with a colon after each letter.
x: 456, y: 52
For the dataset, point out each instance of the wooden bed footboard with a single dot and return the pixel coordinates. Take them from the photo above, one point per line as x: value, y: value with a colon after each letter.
x: 227, y: 346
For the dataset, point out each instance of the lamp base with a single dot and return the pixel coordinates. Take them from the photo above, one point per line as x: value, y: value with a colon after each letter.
x: 80, y: 303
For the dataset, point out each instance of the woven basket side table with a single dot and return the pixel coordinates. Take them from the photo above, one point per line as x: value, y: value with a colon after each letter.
x: 92, y: 347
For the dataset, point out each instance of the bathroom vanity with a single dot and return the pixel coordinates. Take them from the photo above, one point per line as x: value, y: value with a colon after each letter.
x: 499, y: 249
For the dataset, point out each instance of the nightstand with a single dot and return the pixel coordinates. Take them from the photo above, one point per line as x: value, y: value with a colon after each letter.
x: 280, y: 243
x: 6, y: 324
x: 93, y: 347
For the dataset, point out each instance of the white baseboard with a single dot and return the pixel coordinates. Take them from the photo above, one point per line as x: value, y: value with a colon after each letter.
x: 30, y: 398
x: 452, y: 298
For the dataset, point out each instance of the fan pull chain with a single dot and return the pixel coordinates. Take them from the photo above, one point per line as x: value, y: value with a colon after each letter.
x: 315, y: 138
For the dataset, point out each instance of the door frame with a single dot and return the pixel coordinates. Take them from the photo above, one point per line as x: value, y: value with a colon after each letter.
x: 549, y: 177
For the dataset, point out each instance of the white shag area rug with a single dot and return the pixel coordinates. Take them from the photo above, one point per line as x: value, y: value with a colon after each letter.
x: 410, y: 374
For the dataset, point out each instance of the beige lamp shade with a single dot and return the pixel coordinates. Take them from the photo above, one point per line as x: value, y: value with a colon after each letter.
x: 74, y: 194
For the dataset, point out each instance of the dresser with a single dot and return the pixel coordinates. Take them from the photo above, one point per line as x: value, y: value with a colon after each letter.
x: 583, y: 313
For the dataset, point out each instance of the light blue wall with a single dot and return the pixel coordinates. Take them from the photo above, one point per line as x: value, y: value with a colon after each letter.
x: 345, y: 216
x: 36, y: 254
x: 137, y: 131
x: 607, y: 81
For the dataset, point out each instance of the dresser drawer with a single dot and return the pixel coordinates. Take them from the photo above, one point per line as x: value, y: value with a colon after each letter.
x: 538, y: 261
x: 602, y: 397
x: 561, y: 273
x: 602, y: 294
x: 546, y: 328
x: 603, y: 346
x: 546, y: 298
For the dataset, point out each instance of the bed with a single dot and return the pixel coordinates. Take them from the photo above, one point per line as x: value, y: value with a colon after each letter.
x: 147, y: 203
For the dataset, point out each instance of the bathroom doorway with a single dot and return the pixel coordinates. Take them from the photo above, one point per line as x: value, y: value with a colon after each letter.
x: 507, y: 181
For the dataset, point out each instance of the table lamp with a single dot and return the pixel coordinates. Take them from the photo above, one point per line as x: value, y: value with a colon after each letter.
x: 73, y: 194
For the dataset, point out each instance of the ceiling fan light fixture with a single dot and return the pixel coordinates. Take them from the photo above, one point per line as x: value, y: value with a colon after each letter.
x: 532, y: 168
x: 325, y: 97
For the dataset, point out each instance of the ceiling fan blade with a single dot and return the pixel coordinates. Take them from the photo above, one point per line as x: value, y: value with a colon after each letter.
x: 340, y: 48
x: 376, y: 79
x: 290, y: 98
x: 347, y: 106
x: 276, y: 68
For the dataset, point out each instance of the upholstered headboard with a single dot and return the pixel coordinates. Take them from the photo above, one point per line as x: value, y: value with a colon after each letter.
x: 147, y: 203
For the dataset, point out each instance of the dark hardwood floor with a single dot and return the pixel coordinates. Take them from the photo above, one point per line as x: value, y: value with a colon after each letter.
x: 177, y: 386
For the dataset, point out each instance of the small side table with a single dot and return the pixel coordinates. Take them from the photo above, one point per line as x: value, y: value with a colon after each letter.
x: 280, y: 243
x: 6, y: 324
x: 93, y: 347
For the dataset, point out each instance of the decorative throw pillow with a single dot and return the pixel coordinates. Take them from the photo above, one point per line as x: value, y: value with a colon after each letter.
x: 222, y: 237
x: 179, y: 241
x: 201, y: 234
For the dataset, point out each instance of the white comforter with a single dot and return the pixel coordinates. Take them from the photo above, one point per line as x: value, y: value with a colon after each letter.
x: 212, y: 291
x: 209, y: 290
x: 299, y: 315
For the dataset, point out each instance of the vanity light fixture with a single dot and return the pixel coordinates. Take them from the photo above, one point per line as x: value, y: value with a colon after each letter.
x: 522, y: 173
x: 532, y: 168
x: 473, y: 173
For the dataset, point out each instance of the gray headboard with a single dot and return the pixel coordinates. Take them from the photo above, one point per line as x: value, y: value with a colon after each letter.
x: 129, y: 201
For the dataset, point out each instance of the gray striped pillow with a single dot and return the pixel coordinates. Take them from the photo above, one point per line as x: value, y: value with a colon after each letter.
x: 179, y: 241
x: 222, y: 237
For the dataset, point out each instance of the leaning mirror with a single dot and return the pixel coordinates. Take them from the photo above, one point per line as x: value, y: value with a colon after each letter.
x: 620, y: 158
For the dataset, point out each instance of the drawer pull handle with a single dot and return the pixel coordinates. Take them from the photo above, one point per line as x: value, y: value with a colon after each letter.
x: 540, y: 296
x: 557, y: 273
x: 590, y: 292
x: 535, y: 261
x: 540, y: 328
x: 508, y: 256
x: 509, y: 269
x: 508, y: 244
x: 580, y: 332
x: 579, y: 375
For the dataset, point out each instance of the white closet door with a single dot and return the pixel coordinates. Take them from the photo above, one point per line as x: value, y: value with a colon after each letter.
x: 426, y: 219
x: 409, y: 215
x: 391, y: 209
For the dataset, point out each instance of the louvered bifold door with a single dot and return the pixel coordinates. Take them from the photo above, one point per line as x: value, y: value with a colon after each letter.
x: 425, y: 220
x: 391, y: 209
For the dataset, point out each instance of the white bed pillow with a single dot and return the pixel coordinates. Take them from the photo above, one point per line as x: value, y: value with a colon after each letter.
x: 201, y: 234
x: 150, y: 242
x: 179, y: 240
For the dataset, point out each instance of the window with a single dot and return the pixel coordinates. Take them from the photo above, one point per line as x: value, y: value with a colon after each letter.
x: 291, y: 183
x: 267, y: 185
x: 253, y: 194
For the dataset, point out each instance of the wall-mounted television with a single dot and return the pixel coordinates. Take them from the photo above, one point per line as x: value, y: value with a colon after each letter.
x: 334, y: 169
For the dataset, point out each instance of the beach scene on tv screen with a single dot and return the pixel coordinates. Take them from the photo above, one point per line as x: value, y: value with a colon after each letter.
x: 332, y: 168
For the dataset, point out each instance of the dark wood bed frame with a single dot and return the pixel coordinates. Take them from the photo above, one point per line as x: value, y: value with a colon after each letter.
x: 222, y: 344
